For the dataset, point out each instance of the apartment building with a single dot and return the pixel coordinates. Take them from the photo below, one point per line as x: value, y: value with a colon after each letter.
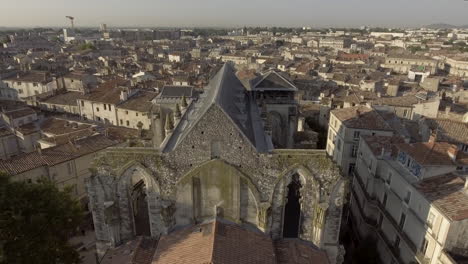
x: 403, y: 63
x: 457, y: 66
x: 31, y: 83
x: 411, y: 200
x: 66, y: 165
x: 346, y: 126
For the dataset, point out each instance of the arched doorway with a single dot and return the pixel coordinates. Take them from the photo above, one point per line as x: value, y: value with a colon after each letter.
x: 292, y: 210
x: 140, y: 209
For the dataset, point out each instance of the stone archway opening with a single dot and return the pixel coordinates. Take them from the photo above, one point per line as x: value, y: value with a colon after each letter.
x: 140, y: 209
x: 292, y: 210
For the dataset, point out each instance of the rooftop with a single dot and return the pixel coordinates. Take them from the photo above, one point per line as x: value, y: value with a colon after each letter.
x: 447, y: 194
x: 361, y: 117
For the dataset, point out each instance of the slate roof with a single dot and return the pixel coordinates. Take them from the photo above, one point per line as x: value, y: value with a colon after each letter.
x: 178, y: 91
x: 447, y: 194
x: 271, y: 81
x: 226, y: 92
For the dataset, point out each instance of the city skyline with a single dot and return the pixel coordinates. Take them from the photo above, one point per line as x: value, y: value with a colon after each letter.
x: 184, y: 13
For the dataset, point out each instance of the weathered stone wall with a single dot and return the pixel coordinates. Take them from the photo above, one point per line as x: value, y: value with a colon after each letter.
x: 181, y: 187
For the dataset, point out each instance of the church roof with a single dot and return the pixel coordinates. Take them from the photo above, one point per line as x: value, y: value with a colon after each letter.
x: 271, y: 81
x: 226, y: 92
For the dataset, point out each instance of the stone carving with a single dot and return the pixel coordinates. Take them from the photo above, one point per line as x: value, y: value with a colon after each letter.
x: 264, y: 211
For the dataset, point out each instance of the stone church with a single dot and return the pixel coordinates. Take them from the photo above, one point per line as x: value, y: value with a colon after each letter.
x: 226, y: 155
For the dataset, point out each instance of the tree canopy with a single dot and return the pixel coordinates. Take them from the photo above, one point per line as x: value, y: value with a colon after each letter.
x: 36, y: 221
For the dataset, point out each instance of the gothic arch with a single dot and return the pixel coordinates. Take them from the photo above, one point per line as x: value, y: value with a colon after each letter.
x: 215, y: 185
x: 128, y: 175
x: 309, y: 192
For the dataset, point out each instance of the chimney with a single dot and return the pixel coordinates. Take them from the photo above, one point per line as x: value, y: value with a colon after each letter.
x: 448, y: 108
x: 123, y: 95
x: 433, y: 137
x: 452, y: 151
x: 332, y: 95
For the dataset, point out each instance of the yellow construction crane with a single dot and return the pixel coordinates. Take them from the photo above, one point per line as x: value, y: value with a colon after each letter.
x: 71, y: 20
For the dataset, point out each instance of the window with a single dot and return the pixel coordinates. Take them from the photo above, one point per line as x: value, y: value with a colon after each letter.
x: 105, y: 108
x: 351, y: 168
x: 109, y: 107
x: 408, y: 162
x: 136, y: 114
x: 128, y: 123
x: 34, y: 84
x: 18, y: 83
x: 402, y: 221
x: 356, y: 135
x: 430, y: 220
x: 330, y: 134
x: 354, y: 150
x: 69, y: 168
x: 424, y: 245
x: 20, y: 91
x: 405, y: 113
x: 82, y: 103
x: 121, y: 121
x: 98, y: 118
x: 126, y: 112
x: 97, y: 109
x: 36, y: 92
x: 408, y: 197
x: 465, y: 148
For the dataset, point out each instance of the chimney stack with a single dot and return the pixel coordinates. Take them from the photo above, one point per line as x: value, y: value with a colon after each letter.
x: 453, y: 152
x: 433, y: 136
x: 448, y: 108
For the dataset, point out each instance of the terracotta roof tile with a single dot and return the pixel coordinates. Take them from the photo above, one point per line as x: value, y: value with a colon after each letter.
x: 447, y: 194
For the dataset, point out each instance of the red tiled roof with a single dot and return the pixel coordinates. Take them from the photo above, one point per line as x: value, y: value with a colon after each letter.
x: 361, y: 117
x: 229, y: 243
x: 447, y: 194
x: 55, y: 155
x: 428, y: 153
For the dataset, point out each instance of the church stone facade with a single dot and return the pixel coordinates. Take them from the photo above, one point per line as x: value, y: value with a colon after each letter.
x: 216, y: 159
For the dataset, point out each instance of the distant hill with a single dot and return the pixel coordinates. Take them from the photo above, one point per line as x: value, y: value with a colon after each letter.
x: 441, y: 26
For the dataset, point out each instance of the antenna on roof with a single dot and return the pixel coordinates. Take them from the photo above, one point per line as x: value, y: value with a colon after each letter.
x: 71, y: 21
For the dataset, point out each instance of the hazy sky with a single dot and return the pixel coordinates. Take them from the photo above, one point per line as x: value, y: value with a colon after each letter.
x: 233, y: 12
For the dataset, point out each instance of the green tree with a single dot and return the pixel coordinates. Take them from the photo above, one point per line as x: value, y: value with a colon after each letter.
x: 36, y: 221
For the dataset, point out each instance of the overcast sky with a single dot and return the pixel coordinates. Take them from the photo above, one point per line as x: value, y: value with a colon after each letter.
x: 155, y: 13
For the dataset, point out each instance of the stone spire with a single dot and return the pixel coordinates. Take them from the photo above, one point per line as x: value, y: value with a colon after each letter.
x: 158, y: 128
x: 184, y: 103
x: 177, y: 114
x: 169, y: 127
